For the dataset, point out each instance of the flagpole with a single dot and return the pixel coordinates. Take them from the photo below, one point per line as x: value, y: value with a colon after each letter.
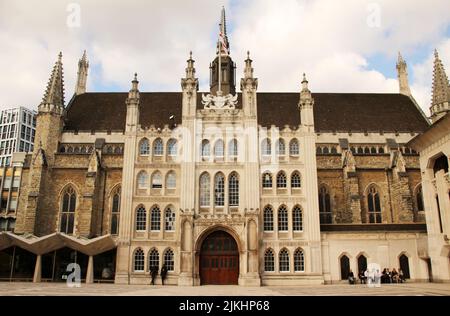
x: 220, y: 66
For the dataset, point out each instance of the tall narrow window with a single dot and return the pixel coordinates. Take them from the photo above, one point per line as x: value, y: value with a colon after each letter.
x: 158, y: 147
x: 419, y: 198
x: 144, y: 147
x: 172, y: 147
x: 267, y: 181
x: 171, y: 180
x: 297, y: 219
x: 266, y: 147
x: 280, y: 147
x: 294, y: 149
x: 373, y: 201
x: 281, y: 180
x: 153, y: 259
x: 155, y: 220
x: 233, y: 190
x: 219, y: 190
x: 168, y: 259
x: 205, y: 190
x: 157, y: 180
x: 206, y: 148
x: 269, y: 261
x: 139, y: 260
x: 233, y: 148
x: 299, y: 261
x: 69, y: 203
x: 141, y: 219
x: 219, y: 149
x: 295, y: 180
x: 115, y: 211
x: 284, y: 260
x: 325, y: 206
x: 169, y: 219
x: 268, y: 219
x: 282, y: 219
x: 142, y: 180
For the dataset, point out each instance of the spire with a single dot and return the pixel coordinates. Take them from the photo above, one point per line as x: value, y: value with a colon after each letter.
x: 248, y: 70
x: 190, y: 70
x: 402, y: 75
x: 134, y: 92
x: 54, y: 94
x: 306, y: 104
x: 441, y: 91
x: 83, y: 66
x: 223, y: 31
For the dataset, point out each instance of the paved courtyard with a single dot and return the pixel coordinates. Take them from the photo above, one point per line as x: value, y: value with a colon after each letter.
x: 410, y: 289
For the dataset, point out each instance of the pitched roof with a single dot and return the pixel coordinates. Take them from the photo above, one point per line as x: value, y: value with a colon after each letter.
x: 343, y: 112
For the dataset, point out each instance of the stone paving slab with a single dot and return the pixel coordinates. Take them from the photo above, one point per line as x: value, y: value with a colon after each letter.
x: 61, y: 289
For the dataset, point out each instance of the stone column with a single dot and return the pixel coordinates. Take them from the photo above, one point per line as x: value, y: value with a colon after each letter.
x: 90, y: 271
x: 38, y: 269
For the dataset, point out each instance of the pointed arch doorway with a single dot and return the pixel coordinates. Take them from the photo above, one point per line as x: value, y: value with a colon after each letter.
x: 219, y: 259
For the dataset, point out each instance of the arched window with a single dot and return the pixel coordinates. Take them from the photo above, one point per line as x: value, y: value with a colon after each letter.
x: 158, y: 147
x: 142, y: 180
x: 440, y: 163
x: 115, y: 211
x: 294, y: 149
x: 419, y: 198
x: 299, y: 260
x: 68, y: 206
x: 407, y: 150
x: 284, y: 260
x: 205, y: 190
x: 269, y: 261
x: 295, y: 180
x: 219, y: 190
x: 139, y: 260
x: 373, y: 202
x: 297, y: 219
x: 169, y: 219
x: 219, y: 149
x: 381, y: 150
x: 144, y: 147
x: 172, y: 147
x: 155, y: 219
x: 360, y: 150
x: 168, y: 259
x: 206, y: 148
x: 233, y: 149
x: 153, y: 259
x: 373, y: 150
x: 326, y: 151
x: 171, y: 180
x: 366, y: 150
x: 268, y: 219
x: 333, y: 150
x: 281, y: 180
x: 280, y: 147
x: 324, y: 206
x: 141, y: 219
x: 266, y: 147
x: 77, y: 150
x: 319, y: 151
x: 233, y: 190
x: 353, y: 150
x: 157, y: 180
x: 267, y: 180
x: 282, y: 219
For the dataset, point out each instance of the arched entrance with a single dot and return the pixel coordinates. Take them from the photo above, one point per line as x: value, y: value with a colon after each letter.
x: 345, y: 267
x: 404, y: 265
x: 219, y: 259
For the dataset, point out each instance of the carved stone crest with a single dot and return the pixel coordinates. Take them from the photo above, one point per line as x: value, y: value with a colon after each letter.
x: 219, y: 102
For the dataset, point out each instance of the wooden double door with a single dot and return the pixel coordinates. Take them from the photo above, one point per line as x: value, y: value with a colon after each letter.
x: 219, y: 260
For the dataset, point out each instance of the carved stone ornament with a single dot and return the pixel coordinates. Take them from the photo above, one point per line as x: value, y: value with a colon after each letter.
x: 219, y: 102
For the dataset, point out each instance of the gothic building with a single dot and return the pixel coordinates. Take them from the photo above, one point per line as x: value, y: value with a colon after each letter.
x: 223, y: 187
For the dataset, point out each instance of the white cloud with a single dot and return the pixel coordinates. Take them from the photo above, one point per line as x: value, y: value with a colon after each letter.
x: 329, y: 40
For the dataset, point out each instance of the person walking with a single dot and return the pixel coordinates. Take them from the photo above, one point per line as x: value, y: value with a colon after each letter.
x: 163, y: 273
x: 153, y: 273
x: 351, y: 277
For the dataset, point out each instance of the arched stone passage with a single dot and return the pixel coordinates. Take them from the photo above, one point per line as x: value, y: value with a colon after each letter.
x: 219, y: 259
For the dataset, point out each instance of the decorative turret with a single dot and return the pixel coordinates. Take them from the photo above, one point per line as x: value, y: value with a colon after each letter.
x: 402, y: 74
x: 440, y: 103
x: 53, y: 100
x: 189, y: 85
x: 249, y: 86
x: 306, y: 104
x: 83, y: 66
x: 132, y: 103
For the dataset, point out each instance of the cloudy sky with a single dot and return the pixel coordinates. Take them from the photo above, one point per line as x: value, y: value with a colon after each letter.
x: 343, y: 46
